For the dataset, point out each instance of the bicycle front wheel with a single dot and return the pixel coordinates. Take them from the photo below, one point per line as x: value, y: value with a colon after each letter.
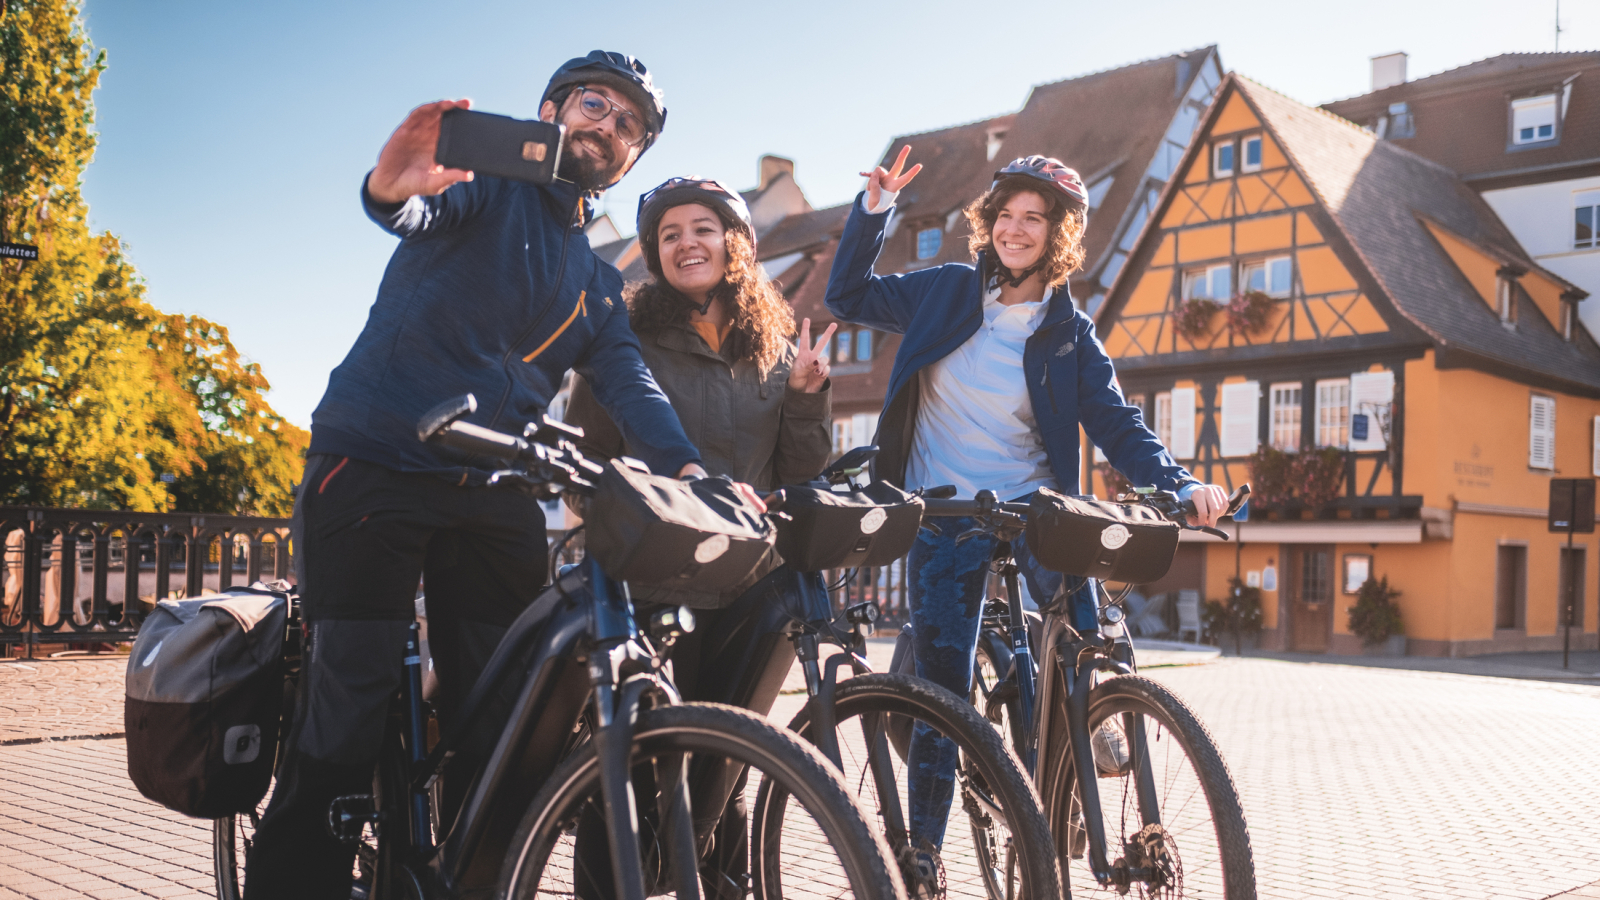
x: 1003, y: 852
x: 1197, y: 844
x: 835, y: 852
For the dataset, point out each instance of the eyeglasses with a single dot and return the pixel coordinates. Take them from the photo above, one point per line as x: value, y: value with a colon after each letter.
x: 596, y: 106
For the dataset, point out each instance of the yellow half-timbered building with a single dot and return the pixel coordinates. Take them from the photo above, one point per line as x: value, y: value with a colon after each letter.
x: 1316, y: 308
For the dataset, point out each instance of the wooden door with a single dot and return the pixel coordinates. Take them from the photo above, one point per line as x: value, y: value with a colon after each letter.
x: 1309, y: 580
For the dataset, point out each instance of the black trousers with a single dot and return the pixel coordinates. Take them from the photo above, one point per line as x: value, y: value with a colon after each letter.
x: 735, y: 655
x: 364, y: 536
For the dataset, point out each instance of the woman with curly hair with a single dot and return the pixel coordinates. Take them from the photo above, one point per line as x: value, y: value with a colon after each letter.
x: 997, y: 371
x: 717, y: 338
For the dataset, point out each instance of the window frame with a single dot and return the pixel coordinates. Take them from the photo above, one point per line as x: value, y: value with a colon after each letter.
x: 1216, y: 159
x: 938, y: 241
x: 864, y: 340
x: 1161, y: 417
x: 1322, y: 425
x: 1244, y: 153
x: 1265, y: 265
x: 1547, y: 461
x: 1287, y: 409
x: 1593, y: 207
x: 1553, y: 101
x: 1206, y: 274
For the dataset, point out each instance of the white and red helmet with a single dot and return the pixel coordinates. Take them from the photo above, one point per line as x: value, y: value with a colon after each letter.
x: 1063, y: 180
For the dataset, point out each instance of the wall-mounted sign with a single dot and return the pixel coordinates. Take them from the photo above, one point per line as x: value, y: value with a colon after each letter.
x: 18, y: 251
x: 1357, y: 569
x: 1252, y: 578
x: 1358, y: 427
x: 1269, y: 578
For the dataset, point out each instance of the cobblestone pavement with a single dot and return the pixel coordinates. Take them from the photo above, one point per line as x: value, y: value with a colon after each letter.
x: 1357, y: 782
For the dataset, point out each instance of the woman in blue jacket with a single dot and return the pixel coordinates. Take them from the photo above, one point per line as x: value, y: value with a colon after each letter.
x: 997, y: 371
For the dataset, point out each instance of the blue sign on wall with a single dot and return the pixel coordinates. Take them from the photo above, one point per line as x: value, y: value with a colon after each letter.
x: 1358, y: 427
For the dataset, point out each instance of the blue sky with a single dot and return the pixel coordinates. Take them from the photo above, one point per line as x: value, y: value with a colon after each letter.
x: 233, y: 136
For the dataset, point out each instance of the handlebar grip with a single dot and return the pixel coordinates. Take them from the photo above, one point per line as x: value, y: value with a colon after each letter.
x: 942, y: 492
x: 476, y: 440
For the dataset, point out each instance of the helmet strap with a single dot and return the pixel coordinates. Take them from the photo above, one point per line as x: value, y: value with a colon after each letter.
x: 1006, y: 276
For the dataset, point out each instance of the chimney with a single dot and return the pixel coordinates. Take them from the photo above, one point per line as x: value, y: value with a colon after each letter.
x: 772, y: 167
x: 1388, y: 70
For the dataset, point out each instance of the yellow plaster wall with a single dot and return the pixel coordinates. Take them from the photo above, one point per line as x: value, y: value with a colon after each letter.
x: 1260, y: 235
x: 1271, y: 154
x: 1477, y: 266
x: 1236, y: 116
x: 1150, y: 295
x: 1210, y: 242
x: 1546, y: 295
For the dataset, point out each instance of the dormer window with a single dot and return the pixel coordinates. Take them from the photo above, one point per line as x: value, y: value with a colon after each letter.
x: 1533, y: 119
x: 1399, y: 122
x: 1506, y: 297
x: 1251, y: 161
x: 928, y: 242
x: 992, y: 141
x: 1222, y: 160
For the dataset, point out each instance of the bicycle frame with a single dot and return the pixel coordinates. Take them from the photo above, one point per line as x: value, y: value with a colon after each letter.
x: 579, y: 645
x: 1064, y: 669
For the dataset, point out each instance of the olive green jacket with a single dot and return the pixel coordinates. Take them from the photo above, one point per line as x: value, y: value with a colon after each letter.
x: 752, y: 429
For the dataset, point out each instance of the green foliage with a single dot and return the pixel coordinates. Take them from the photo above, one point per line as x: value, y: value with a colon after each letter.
x: 1240, y: 613
x: 1192, y: 318
x: 1375, y: 617
x: 101, y: 393
x: 1312, y: 477
x: 1248, y: 312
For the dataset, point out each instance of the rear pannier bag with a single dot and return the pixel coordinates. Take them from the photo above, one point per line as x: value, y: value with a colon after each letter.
x: 205, y: 691
x: 697, y: 535
x: 825, y: 529
x: 1099, y: 539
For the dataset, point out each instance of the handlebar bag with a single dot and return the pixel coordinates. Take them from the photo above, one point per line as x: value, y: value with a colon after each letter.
x: 697, y: 535
x: 204, y: 699
x: 1131, y: 544
x: 825, y: 529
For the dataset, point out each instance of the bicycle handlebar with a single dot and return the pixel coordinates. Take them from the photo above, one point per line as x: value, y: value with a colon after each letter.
x: 1164, y: 502
x: 540, y: 460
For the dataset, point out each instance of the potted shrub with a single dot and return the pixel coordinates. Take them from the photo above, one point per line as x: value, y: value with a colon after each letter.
x: 1375, y: 618
x: 1271, y: 477
x: 1192, y: 318
x: 1318, y: 475
x: 1239, y: 615
x: 1248, y: 312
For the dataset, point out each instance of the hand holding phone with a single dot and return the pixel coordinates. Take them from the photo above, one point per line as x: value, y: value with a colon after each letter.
x: 519, y: 149
x: 406, y: 166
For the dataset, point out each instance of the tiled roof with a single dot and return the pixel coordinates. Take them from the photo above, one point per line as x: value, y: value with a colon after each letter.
x: 1108, y: 122
x: 1462, y: 120
x: 803, y: 230
x: 1380, y: 195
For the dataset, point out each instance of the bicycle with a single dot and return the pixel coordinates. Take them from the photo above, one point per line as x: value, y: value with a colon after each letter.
x: 597, y: 742
x: 1008, y: 828
x: 1080, y: 707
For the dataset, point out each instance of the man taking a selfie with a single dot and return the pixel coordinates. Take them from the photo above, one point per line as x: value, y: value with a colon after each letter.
x: 493, y: 290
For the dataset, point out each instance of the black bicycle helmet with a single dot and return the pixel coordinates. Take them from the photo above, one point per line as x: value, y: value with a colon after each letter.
x: 654, y: 203
x: 615, y: 70
x: 1068, y: 186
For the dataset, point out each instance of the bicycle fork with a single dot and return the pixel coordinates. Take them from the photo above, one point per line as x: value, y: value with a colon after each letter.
x: 1080, y: 680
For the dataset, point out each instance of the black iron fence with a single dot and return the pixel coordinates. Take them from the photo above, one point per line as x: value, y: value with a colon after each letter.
x: 75, y: 576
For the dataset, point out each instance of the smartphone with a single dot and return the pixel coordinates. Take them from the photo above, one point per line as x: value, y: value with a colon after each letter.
x: 519, y: 149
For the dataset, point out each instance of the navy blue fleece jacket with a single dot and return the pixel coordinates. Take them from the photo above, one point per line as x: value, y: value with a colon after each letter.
x: 493, y: 291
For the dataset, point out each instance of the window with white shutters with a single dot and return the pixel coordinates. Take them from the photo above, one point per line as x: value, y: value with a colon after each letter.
x: 1286, y: 417
x: 1594, y: 449
x: 1239, y: 430
x: 1182, y: 445
x: 1333, y: 413
x: 1371, y: 395
x: 1163, y: 418
x: 1542, y: 432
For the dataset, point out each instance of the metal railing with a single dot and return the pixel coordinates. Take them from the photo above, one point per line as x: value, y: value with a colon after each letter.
x: 76, y: 576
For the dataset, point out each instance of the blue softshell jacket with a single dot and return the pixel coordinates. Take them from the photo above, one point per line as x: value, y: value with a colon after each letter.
x: 1070, y: 378
x: 493, y: 291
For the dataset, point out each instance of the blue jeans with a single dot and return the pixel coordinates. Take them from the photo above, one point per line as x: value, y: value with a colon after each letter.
x: 946, y: 601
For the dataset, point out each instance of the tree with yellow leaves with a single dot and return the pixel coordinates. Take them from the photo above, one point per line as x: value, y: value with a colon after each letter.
x: 101, y: 394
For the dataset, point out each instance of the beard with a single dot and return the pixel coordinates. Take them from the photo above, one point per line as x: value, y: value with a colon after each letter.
x: 586, y: 172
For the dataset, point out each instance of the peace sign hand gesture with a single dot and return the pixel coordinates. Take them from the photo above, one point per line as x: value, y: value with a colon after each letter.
x: 879, y: 180
x: 810, y: 370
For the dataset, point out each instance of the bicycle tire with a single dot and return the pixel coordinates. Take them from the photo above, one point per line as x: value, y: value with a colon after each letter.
x: 375, y: 858
x: 1195, y: 867
x: 993, y: 781
x: 720, y: 731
